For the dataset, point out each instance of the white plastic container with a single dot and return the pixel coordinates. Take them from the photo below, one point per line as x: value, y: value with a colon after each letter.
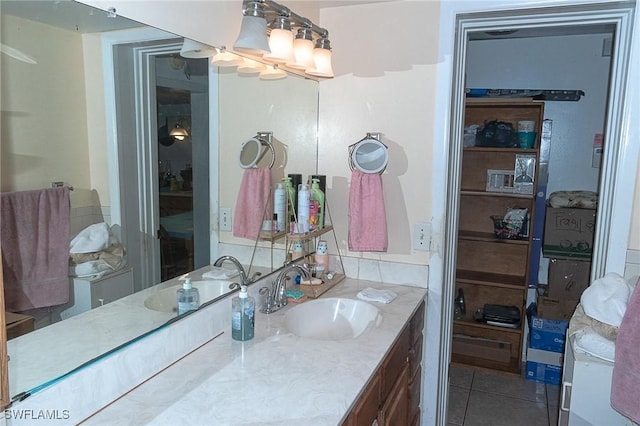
x: 303, y: 208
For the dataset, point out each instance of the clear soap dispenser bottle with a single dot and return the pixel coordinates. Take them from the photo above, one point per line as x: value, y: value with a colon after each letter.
x: 243, y: 308
x: 188, y: 297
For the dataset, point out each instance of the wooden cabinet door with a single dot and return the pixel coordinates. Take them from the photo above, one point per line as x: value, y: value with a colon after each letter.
x: 4, y: 369
x: 365, y: 412
x: 394, y: 412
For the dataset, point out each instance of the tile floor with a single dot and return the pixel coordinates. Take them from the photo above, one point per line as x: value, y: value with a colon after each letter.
x: 478, y: 398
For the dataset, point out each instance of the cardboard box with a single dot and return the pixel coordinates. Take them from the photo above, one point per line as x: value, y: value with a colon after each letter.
x: 556, y: 309
x: 568, y: 233
x: 18, y: 324
x: 568, y: 278
x: 479, y: 347
x: 547, y: 334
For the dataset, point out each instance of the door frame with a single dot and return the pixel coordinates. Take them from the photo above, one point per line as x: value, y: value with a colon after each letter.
x: 619, y: 161
x: 147, y: 221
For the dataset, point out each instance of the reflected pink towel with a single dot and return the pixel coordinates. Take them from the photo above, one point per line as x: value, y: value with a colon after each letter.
x: 34, y: 231
x: 254, y: 199
x: 367, y: 216
x: 625, y: 385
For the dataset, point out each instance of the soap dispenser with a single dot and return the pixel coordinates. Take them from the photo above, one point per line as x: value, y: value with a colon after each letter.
x: 318, y: 197
x: 243, y: 309
x: 188, y: 297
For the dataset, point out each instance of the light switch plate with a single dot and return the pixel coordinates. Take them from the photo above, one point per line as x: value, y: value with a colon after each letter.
x: 422, y: 236
x: 225, y: 219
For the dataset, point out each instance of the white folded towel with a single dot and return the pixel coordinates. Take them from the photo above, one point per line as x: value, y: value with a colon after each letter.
x: 372, y: 295
x: 91, y: 239
x: 220, y: 273
x: 606, y: 299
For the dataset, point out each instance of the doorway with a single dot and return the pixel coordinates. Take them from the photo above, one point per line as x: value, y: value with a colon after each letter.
x: 141, y: 68
x: 606, y: 255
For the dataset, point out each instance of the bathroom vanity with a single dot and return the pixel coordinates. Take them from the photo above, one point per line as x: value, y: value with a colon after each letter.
x: 280, y: 378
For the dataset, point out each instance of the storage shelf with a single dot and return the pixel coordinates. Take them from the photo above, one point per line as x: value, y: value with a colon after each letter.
x: 496, y: 194
x: 487, y: 278
x: 497, y: 149
x: 471, y: 323
x: 489, y: 237
x: 309, y: 235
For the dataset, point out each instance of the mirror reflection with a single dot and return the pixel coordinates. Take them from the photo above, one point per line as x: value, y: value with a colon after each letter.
x: 56, y: 128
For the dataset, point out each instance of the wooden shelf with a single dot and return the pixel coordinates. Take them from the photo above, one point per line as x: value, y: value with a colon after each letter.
x: 496, y: 149
x: 495, y: 280
x: 309, y: 235
x: 471, y: 323
x: 495, y: 194
x: 315, y: 291
x: 489, y: 237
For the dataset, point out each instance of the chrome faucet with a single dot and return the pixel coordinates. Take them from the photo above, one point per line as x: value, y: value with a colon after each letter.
x: 276, y: 296
x: 243, y: 275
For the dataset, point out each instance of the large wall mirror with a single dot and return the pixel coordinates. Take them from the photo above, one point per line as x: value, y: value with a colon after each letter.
x: 54, y: 129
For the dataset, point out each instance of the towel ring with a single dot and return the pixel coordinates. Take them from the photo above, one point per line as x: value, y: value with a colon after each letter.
x: 252, y: 150
x: 369, y: 155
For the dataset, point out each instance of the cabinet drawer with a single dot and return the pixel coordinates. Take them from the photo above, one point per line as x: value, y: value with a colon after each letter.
x: 393, y: 364
x: 415, y: 356
x: 394, y: 411
x: 417, y: 324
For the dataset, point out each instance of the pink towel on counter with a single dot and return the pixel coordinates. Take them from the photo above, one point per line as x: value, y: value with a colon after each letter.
x: 367, y: 216
x: 625, y: 385
x: 34, y: 231
x: 254, y: 202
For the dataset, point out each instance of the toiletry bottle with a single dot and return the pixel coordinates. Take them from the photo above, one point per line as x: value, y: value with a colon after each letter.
x: 280, y: 207
x: 303, y: 208
x: 290, y: 193
x: 313, y: 212
x: 243, y: 309
x: 296, y: 180
x: 321, y: 257
x: 318, y: 196
x: 188, y: 297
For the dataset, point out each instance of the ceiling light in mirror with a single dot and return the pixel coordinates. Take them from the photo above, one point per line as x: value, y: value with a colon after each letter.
x: 249, y: 66
x: 193, y: 49
x: 302, y: 50
x: 272, y: 73
x: 226, y: 59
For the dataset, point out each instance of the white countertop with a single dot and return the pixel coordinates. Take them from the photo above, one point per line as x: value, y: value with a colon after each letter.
x: 276, y: 378
x: 78, y: 339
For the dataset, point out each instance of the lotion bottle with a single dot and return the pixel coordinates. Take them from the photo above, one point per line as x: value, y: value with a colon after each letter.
x: 188, y: 297
x: 280, y: 207
x: 290, y: 193
x: 303, y: 208
x: 318, y: 197
x: 243, y: 308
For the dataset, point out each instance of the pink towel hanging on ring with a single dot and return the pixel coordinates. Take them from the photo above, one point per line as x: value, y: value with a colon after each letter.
x: 367, y: 215
x: 253, y: 201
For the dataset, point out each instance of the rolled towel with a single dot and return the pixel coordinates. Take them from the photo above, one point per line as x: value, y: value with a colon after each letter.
x: 220, y: 273
x: 372, y: 295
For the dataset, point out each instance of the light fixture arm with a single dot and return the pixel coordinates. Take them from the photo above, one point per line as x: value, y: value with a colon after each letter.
x: 297, y: 20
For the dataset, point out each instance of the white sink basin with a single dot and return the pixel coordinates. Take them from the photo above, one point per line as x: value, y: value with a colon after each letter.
x: 165, y: 299
x: 332, y: 319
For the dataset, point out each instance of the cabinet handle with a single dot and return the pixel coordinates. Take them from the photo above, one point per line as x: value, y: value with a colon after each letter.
x: 565, y: 386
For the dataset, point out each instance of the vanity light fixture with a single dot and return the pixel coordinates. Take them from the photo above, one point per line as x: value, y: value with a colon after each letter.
x: 226, y: 59
x: 302, y: 50
x: 304, y: 53
x: 321, y: 59
x: 179, y: 132
x: 272, y: 73
x: 193, y: 49
x: 253, y: 31
x: 280, y: 41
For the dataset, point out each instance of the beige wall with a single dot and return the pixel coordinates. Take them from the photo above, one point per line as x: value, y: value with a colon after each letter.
x: 385, y: 82
x: 44, y: 129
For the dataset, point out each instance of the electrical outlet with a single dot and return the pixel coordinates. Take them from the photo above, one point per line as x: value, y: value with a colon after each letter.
x: 225, y: 219
x: 422, y: 236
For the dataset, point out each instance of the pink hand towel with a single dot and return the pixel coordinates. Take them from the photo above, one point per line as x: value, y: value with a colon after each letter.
x: 254, y: 199
x: 367, y: 216
x: 625, y: 384
x: 34, y: 231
